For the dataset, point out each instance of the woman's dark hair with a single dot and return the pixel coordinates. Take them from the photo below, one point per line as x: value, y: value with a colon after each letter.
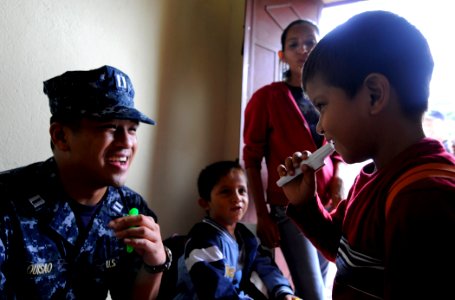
x: 293, y: 23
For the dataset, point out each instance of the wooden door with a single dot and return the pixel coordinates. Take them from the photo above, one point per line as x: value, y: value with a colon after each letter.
x: 267, y: 20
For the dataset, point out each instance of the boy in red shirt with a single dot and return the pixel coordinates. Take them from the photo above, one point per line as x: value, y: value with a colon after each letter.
x: 369, y: 78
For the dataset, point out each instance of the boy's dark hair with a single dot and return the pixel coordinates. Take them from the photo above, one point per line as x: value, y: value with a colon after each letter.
x: 375, y: 42
x: 212, y: 174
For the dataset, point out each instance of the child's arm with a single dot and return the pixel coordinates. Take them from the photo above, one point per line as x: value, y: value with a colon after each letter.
x: 271, y: 275
x: 321, y: 227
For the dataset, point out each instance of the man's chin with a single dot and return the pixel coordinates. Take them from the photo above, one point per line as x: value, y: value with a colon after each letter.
x: 117, y: 181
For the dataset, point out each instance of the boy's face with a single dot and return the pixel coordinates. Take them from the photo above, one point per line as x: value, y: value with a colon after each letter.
x: 101, y: 152
x: 229, y: 199
x: 344, y: 120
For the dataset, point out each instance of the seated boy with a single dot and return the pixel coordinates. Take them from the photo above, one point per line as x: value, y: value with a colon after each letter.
x: 221, y: 253
x: 370, y: 80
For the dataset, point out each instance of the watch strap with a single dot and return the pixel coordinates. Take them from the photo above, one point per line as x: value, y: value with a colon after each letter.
x: 163, y: 267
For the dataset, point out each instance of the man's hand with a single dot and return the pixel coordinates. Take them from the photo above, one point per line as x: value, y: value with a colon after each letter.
x: 143, y: 234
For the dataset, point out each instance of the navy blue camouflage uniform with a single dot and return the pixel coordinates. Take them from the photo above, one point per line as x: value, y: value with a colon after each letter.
x: 43, y: 253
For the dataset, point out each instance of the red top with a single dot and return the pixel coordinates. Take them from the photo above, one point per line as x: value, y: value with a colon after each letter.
x: 407, y: 257
x: 275, y: 128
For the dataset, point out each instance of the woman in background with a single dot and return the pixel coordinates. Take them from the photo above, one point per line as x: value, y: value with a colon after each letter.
x: 275, y: 114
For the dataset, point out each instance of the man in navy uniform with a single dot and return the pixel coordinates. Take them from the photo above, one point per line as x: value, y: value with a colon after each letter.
x: 64, y: 223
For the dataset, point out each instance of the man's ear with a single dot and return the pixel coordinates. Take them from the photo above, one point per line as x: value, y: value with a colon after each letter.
x: 204, y: 204
x: 280, y: 55
x: 58, y: 136
x: 378, y: 88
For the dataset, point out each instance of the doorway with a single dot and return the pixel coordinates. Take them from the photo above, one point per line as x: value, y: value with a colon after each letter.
x: 265, y: 20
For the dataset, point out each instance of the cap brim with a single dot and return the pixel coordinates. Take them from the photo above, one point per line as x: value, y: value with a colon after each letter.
x: 123, y: 113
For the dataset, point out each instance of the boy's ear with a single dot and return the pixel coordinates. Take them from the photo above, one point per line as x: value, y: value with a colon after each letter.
x: 280, y: 54
x: 58, y: 136
x: 203, y: 203
x: 379, y: 91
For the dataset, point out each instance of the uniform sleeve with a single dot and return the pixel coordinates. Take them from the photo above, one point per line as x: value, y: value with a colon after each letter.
x: 136, y: 200
x: 2, y: 266
x: 5, y: 291
x: 147, y: 211
x: 210, y: 273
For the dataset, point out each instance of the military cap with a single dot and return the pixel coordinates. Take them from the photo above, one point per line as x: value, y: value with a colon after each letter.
x: 103, y: 93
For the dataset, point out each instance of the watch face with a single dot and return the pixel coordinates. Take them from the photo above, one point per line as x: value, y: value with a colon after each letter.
x: 168, y: 262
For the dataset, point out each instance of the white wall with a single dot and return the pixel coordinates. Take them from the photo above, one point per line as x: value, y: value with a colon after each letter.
x: 184, y: 58
x: 41, y: 39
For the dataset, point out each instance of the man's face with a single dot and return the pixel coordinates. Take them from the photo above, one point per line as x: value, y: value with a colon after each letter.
x: 101, y: 152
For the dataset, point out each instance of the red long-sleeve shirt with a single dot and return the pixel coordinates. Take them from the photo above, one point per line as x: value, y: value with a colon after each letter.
x: 275, y: 128
x: 408, y: 256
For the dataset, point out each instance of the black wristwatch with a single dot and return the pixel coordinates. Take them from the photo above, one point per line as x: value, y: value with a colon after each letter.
x: 163, y: 267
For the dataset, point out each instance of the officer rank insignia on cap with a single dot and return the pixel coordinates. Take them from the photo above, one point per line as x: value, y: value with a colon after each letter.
x: 103, y: 93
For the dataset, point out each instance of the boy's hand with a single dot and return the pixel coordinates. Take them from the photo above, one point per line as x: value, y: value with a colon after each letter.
x: 143, y: 234
x: 302, y: 188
